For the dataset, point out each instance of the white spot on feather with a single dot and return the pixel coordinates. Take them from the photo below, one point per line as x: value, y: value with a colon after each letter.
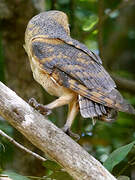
x: 53, y: 80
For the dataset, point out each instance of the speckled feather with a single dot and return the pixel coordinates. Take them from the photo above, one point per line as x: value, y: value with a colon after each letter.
x: 73, y: 61
x: 72, y: 64
x: 75, y: 70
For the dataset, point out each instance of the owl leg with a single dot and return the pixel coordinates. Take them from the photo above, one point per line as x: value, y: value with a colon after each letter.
x: 39, y: 107
x: 46, y: 109
x: 72, y: 112
x: 63, y: 100
x: 69, y: 99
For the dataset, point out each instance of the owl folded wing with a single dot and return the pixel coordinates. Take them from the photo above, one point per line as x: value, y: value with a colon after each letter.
x: 75, y: 69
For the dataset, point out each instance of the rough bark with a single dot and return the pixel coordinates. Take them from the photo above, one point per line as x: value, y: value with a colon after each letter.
x: 50, y: 139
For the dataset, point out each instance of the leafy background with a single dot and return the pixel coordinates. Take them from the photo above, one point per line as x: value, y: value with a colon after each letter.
x: 108, y: 28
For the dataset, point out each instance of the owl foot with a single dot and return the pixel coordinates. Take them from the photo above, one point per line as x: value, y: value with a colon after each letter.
x: 68, y: 131
x: 39, y: 107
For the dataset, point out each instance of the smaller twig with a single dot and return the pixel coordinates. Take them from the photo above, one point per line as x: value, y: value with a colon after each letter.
x: 21, y: 146
x: 2, y: 175
x: 39, y: 178
x: 133, y: 163
x: 124, y: 84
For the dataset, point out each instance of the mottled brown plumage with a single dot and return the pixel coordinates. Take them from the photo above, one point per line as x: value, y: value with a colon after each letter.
x: 68, y: 69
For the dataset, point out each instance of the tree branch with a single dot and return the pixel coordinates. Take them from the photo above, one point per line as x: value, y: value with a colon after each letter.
x: 22, y: 147
x: 50, y: 139
x: 124, y: 84
x: 100, y: 28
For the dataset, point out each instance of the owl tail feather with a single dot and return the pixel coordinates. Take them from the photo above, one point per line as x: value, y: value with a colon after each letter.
x: 91, y: 109
x: 120, y: 103
x: 112, y: 99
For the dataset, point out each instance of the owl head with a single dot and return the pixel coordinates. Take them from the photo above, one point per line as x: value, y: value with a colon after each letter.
x: 50, y: 24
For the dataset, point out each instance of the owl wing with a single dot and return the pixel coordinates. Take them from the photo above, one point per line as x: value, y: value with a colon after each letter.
x: 73, y: 68
x: 74, y: 62
x: 82, y: 47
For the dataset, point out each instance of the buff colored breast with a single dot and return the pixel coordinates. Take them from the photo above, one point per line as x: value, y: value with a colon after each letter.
x: 48, y: 83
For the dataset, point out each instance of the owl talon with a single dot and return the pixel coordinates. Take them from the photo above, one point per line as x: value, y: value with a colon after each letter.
x: 39, y: 107
x: 70, y: 133
x: 32, y: 102
x: 43, y: 109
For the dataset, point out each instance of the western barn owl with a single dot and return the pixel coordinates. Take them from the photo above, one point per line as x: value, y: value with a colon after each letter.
x: 67, y: 69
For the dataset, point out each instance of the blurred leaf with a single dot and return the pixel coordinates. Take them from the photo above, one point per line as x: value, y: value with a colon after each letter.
x: 48, y: 5
x: 125, y: 120
x: 92, y: 45
x: 89, y: 0
x: 95, y: 32
x: 117, y: 156
x: 63, y: 1
x: 57, y: 171
x: 125, y: 74
x: 90, y: 23
x: 113, y: 14
x: 6, y: 152
x: 6, y: 148
x: 4, y: 126
x: 60, y: 176
x: 123, y: 178
x: 15, y: 176
x: 52, y: 165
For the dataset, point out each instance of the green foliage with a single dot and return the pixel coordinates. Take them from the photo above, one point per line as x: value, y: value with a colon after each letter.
x: 6, y: 152
x: 6, y: 148
x: 90, y: 23
x: 15, y: 176
x: 117, y: 41
x: 56, y: 171
x: 123, y: 178
x: 60, y: 176
x: 52, y: 165
x: 61, y: 2
x: 5, y: 126
x: 117, y: 156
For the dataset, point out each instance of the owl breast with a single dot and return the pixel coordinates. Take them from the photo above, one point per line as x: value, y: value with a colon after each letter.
x: 48, y: 82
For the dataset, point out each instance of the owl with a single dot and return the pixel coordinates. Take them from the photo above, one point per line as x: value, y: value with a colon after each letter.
x: 68, y: 70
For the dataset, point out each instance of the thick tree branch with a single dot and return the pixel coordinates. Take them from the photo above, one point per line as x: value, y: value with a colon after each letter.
x: 50, y: 139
